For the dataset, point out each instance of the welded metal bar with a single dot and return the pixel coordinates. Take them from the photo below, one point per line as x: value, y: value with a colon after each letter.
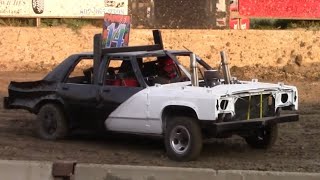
x: 249, y: 108
x: 97, y: 54
x: 225, y: 67
x: 157, y: 38
x: 194, y: 70
x: 261, y: 103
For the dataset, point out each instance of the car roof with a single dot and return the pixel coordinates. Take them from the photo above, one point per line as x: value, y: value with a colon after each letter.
x: 140, y: 53
x: 84, y: 54
x: 149, y: 53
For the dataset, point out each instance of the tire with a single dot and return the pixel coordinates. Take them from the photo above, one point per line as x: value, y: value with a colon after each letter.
x: 183, y: 139
x: 38, y: 6
x: 51, y: 122
x: 265, y: 138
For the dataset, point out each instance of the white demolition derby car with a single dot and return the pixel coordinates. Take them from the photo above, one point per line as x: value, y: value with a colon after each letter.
x: 146, y: 90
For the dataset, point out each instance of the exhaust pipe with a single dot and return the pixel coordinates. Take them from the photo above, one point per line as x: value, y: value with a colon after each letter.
x: 225, y: 67
x: 194, y: 70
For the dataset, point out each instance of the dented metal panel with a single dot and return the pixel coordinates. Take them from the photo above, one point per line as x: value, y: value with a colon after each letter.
x: 26, y: 95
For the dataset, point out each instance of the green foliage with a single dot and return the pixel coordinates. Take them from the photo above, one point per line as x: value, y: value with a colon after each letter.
x: 261, y: 23
x: 2, y: 22
x: 311, y: 24
x: 284, y: 24
x: 74, y: 24
x: 21, y: 22
x: 50, y: 22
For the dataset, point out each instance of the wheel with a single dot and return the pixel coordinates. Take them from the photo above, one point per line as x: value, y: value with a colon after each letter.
x: 38, y: 6
x: 183, y: 139
x: 264, y: 138
x: 51, y: 122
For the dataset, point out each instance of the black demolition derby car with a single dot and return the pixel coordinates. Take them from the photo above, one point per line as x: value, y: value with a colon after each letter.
x: 146, y: 90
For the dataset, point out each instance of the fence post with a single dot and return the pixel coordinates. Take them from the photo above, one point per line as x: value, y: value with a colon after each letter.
x: 38, y: 22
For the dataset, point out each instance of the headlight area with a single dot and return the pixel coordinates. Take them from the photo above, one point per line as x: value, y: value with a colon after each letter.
x: 225, y: 109
x: 225, y: 105
x: 287, y: 100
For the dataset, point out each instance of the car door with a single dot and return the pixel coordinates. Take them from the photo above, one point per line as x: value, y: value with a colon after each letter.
x: 123, y: 96
x: 80, y: 94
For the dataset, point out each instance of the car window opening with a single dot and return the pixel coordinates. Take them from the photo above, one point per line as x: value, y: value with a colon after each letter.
x: 121, y: 73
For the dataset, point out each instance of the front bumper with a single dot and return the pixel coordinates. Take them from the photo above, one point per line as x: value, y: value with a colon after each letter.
x: 246, y: 126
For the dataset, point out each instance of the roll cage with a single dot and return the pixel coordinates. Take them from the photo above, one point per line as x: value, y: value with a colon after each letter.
x: 132, y: 53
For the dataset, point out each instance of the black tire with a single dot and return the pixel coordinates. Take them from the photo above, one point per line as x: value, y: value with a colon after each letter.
x: 51, y: 122
x: 265, y: 138
x: 192, y: 151
x: 38, y: 6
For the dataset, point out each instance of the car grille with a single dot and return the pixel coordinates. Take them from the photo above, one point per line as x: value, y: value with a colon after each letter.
x: 256, y: 106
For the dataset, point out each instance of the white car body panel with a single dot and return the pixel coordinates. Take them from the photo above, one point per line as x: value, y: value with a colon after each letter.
x: 130, y: 116
x: 142, y: 113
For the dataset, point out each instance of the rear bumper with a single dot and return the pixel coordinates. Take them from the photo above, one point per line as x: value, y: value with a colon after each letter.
x: 6, y: 103
x: 10, y: 103
x: 250, y: 125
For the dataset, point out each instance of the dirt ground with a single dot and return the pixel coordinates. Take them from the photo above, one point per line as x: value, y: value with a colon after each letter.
x: 34, y: 49
x: 288, y: 56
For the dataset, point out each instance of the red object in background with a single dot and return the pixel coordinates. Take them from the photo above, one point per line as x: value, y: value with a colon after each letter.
x: 244, y: 23
x: 293, y: 9
x: 234, y: 23
x: 234, y: 5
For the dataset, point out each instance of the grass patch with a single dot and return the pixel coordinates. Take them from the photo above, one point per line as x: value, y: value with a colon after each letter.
x: 311, y: 24
x: 74, y: 24
x: 284, y: 24
x: 20, y: 22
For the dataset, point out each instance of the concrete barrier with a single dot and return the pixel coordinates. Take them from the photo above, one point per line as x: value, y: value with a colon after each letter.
x: 31, y: 170
x: 264, y: 175
x: 114, y: 172
x: 25, y: 170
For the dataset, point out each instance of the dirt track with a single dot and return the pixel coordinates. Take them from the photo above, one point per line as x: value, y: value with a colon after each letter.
x: 269, y: 55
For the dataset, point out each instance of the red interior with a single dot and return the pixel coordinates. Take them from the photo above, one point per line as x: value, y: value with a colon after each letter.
x: 129, y: 82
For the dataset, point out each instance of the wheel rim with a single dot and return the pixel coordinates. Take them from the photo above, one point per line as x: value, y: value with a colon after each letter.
x: 50, y: 123
x: 180, y: 139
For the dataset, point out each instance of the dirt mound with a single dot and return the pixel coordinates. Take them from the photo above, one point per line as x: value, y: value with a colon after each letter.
x: 288, y: 52
x: 289, y: 72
